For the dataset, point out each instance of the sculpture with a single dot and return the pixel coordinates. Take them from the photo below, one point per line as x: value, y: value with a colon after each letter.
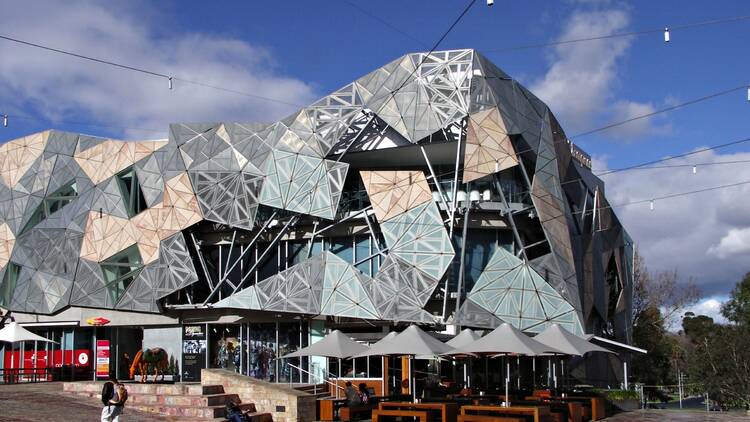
x: 156, y: 357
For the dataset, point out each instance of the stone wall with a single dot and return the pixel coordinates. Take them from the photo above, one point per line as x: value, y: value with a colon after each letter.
x: 284, y: 403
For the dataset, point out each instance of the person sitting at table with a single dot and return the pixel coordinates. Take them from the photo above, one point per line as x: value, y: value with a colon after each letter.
x: 352, y: 395
x: 465, y: 391
x: 364, y: 393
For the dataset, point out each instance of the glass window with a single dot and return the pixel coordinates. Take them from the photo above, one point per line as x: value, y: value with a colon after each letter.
x: 343, y: 247
x: 290, y: 338
x: 8, y: 286
x: 120, y: 270
x: 60, y: 198
x: 362, y: 251
x: 270, y: 264
x: 261, y: 342
x: 131, y: 192
x: 297, y: 251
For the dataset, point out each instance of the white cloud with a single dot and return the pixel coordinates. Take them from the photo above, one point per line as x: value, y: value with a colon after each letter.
x: 735, y: 242
x: 64, y: 88
x: 624, y: 110
x: 705, y: 235
x: 581, y: 83
x: 709, y: 306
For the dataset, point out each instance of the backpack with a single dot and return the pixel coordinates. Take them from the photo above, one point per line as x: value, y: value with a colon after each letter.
x: 122, y: 393
x: 108, y: 391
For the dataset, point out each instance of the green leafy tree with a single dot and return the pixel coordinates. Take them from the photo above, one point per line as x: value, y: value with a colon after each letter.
x: 719, y: 356
x: 657, y: 299
x: 737, y: 309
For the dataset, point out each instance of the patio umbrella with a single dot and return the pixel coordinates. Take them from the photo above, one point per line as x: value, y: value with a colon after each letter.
x: 13, y: 333
x: 334, y: 345
x: 567, y: 343
x: 463, y: 338
x: 505, y: 340
x: 410, y: 342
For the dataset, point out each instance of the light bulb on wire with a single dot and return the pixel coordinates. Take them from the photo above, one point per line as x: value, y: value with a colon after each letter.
x: 666, y: 34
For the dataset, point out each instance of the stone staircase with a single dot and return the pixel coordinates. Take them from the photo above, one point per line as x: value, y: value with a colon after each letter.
x: 185, y: 402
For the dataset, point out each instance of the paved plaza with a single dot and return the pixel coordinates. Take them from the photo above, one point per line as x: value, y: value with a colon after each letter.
x: 678, y: 416
x: 47, y: 402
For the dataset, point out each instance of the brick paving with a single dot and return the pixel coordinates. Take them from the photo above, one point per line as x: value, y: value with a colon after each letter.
x: 47, y: 402
x: 678, y: 416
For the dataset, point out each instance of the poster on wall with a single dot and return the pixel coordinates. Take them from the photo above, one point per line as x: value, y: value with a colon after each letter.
x: 102, y: 358
x: 193, y: 352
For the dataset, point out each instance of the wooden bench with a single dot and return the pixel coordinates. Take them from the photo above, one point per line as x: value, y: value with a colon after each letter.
x: 447, y: 410
x: 537, y: 413
x: 327, y: 408
x: 422, y: 415
x: 346, y: 413
x: 487, y: 418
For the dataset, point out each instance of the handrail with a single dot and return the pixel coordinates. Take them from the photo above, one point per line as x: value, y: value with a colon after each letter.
x: 315, y: 389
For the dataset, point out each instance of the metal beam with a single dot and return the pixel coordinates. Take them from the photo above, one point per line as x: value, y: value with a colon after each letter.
x: 434, y: 178
x: 281, y: 233
x: 512, y: 222
x: 202, y: 261
x: 455, y: 182
x: 462, y: 264
x: 229, y: 255
x: 372, y: 233
x: 347, y: 218
x: 239, y: 258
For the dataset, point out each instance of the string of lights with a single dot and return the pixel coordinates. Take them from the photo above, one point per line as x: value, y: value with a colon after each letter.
x: 170, y: 79
x: 666, y: 30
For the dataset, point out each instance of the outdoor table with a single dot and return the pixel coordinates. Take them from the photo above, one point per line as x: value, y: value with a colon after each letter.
x: 595, y: 404
x: 448, y: 411
x: 422, y: 415
x: 561, y: 411
x: 327, y: 408
x: 535, y: 413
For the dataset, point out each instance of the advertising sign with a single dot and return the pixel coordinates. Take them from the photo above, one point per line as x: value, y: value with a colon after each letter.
x: 193, y: 352
x: 102, y: 358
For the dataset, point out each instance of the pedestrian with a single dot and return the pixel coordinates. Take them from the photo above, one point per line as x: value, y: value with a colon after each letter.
x: 352, y: 395
x: 114, y: 396
x: 234, y: 413
x: 364, y: 393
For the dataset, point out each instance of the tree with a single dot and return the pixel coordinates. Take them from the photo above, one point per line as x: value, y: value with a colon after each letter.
x: 737, y: 309
x: 657, y: 298
x: 663, y: 291
x: 655, y: 367
x: 719, y: 358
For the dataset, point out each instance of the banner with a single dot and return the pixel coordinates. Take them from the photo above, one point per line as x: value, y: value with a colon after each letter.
x: 193, y: 352
x: 102, y: 358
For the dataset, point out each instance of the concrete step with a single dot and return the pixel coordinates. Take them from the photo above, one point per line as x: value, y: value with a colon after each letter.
x: 191, y: 389
x: 201, y: 412
x: 169, y: 399
x: 183, y: 401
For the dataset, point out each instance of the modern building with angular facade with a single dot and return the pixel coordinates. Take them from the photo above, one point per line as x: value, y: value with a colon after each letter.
x: 435, y: 190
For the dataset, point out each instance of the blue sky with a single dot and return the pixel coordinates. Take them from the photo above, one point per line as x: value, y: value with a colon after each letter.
x: 297, y: 51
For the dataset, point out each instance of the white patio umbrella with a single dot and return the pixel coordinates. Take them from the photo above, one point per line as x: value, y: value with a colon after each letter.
x: 463, y: 338
x: 505, y: 340
x: 13, y: 333
x: 410, y: 342
x: 566, y: 343
x: 335, y: 345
